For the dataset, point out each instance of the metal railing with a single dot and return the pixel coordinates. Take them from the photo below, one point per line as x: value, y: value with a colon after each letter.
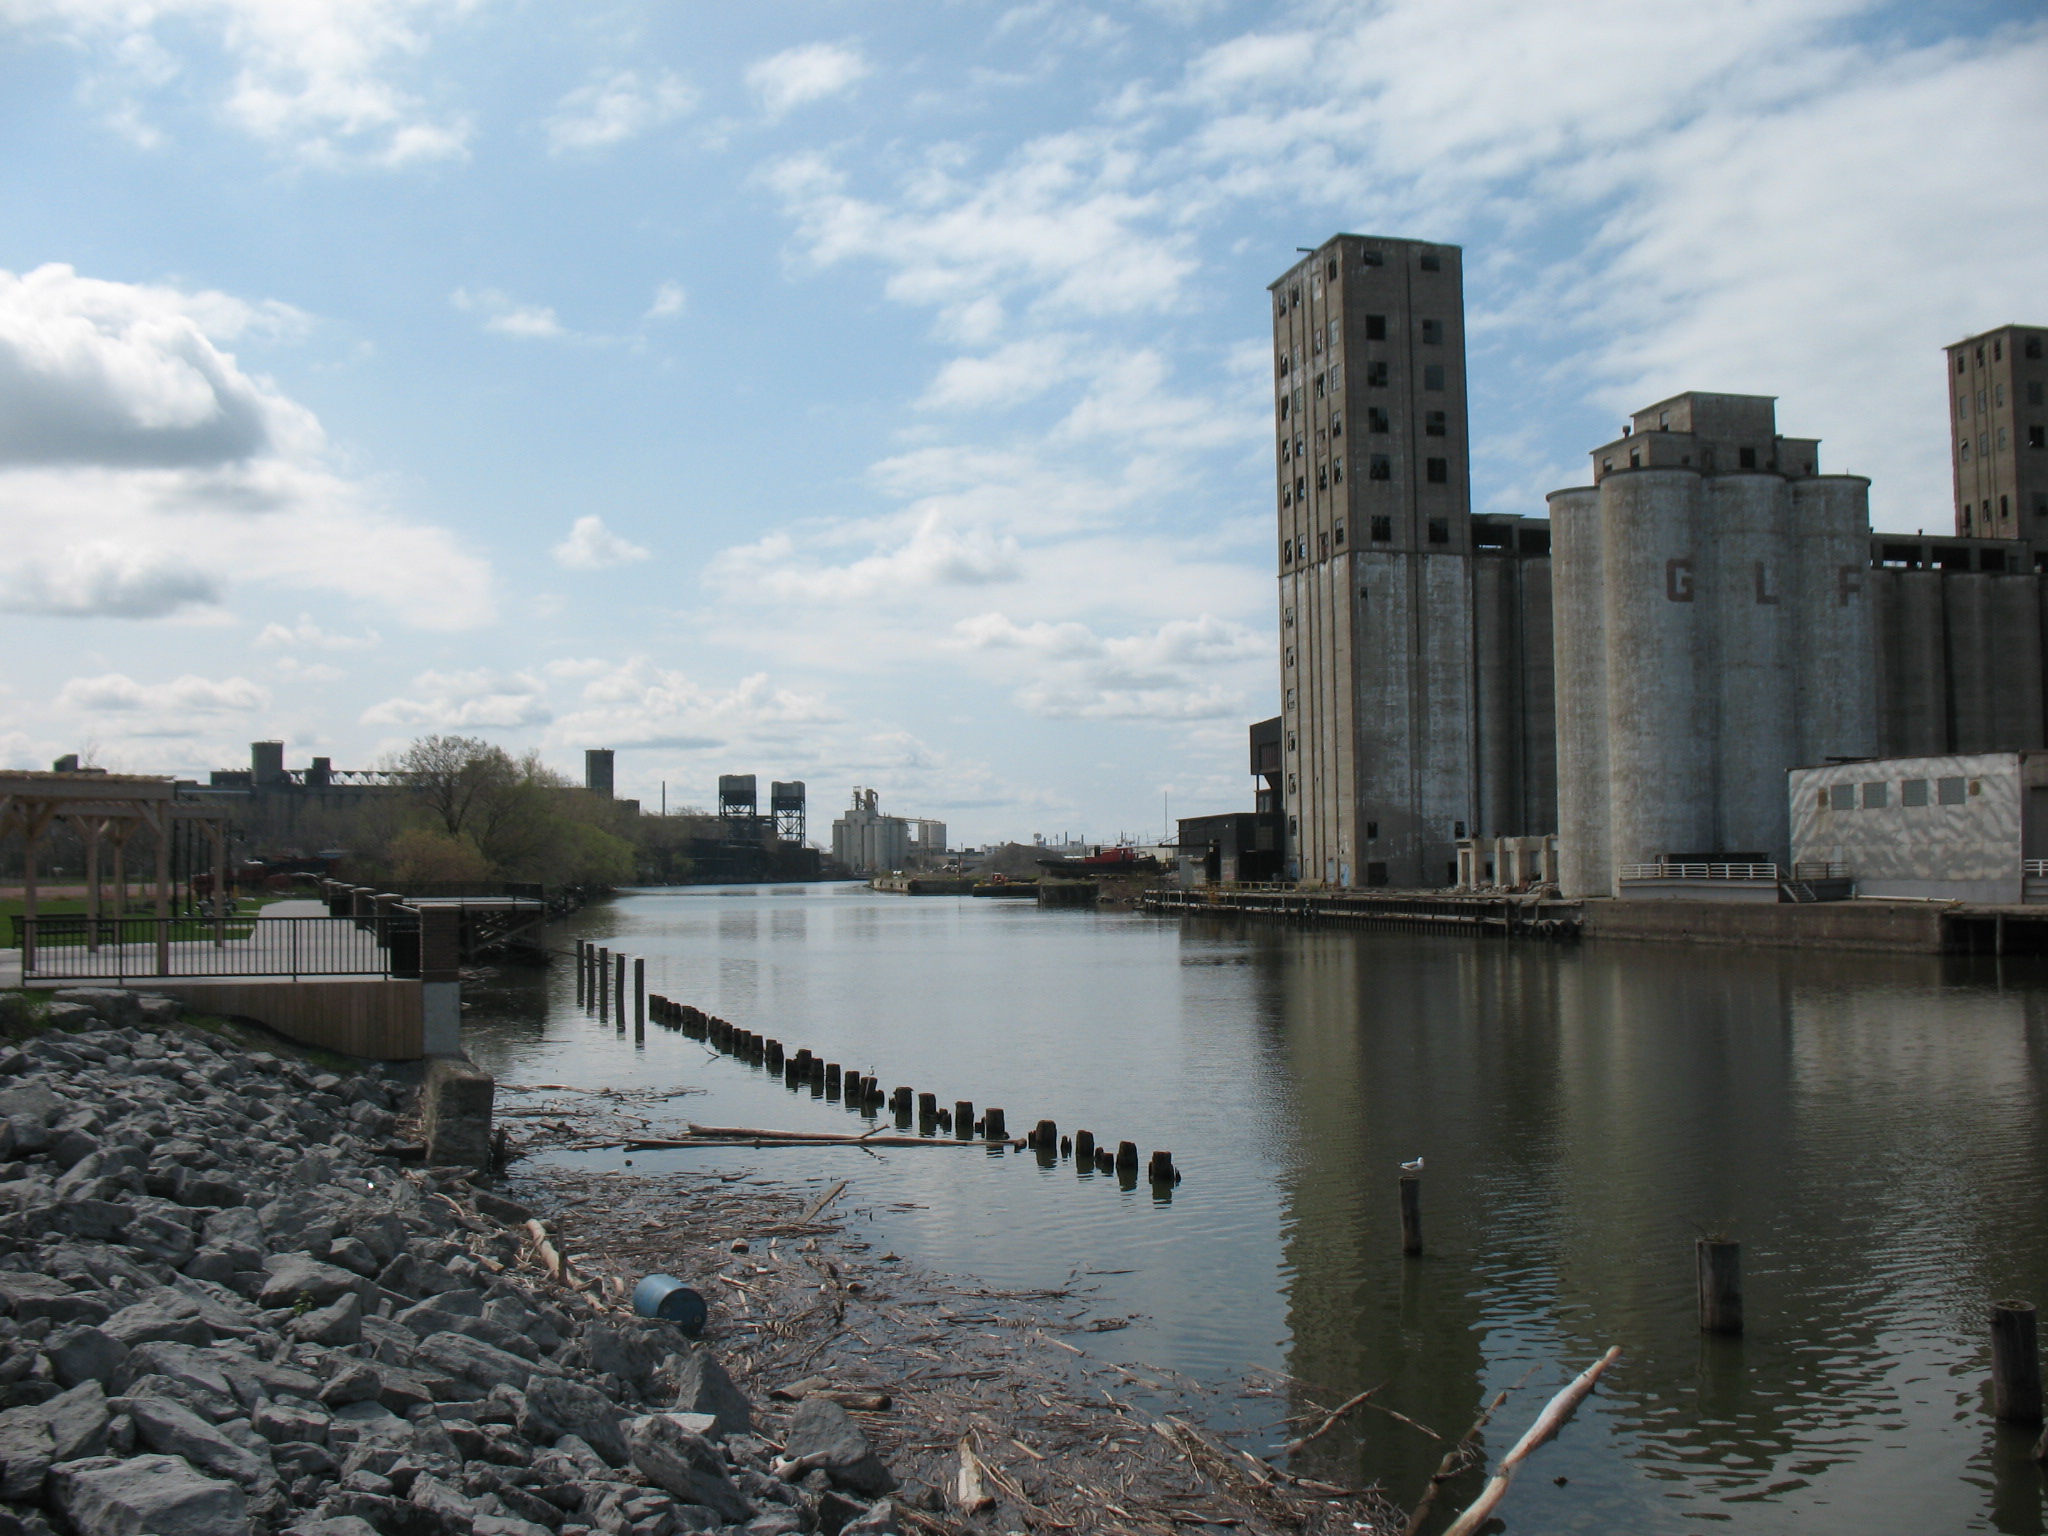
x: 1812, y: 870
x: 2034, y: 868
x: 72, y: 947
x: 1699, y: 871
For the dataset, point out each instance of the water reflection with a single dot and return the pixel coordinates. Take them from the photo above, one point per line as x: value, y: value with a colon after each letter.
x: 1869, y: 1127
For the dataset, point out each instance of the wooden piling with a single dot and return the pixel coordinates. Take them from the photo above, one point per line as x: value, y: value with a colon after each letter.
x: 771, y: 1052
x: 639, y: 998
x: 1160, y: 1170
x: 619, y: 990
x: 1105, y: 1160
x: 2015, y: 1363
x: 992, y: 1125
x: 604, y: 973
x: 927, y: 1106
x: 832, y: 1079
x: 1084, y: 1146
x: 1127, y: 1157
x: 582, y: 971
x: 1719, y: 1267
x: 963, y: 1119
x: 1411, y: 1213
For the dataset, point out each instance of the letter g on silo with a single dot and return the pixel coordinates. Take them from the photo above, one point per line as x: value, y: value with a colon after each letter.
x: 1678, y: 580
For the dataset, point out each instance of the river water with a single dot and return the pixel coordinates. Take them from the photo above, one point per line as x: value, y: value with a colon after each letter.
x: 1870, y: 1127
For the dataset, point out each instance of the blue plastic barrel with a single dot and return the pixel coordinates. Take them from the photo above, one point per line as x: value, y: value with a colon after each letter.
x: 666, y: 1297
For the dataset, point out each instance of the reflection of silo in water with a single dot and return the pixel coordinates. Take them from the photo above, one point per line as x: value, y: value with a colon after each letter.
x: 1835, y: 685
x: 1748, y: 560
x: 1659, y: 719
x: 1580, y: 649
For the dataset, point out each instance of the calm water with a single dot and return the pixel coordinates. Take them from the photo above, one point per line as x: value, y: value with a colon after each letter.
x: 1871, y: 1128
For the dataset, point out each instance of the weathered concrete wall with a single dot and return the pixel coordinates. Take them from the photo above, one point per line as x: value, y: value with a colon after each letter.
x: 455, y: 1113
x: 1910, y: 927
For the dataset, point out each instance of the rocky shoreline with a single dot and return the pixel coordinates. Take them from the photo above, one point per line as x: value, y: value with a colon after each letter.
x: 227, y: 1308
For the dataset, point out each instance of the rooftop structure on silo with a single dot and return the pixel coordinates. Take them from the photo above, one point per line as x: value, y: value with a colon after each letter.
x: 1998, y: 434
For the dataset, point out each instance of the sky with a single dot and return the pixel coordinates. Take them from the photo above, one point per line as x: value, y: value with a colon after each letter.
x: 872, y: 392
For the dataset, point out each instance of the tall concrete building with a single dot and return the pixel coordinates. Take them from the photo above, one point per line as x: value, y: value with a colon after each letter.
x: 1413, y: 713
x: 1715, y: 628
x: 1998, y: 434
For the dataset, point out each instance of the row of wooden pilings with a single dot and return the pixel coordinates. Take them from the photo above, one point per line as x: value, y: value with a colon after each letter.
x: 601, y: 986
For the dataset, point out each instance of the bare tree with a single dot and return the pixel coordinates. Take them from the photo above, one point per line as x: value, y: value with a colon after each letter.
x: 456, y: 777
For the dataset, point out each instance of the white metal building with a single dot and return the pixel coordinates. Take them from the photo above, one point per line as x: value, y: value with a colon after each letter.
x: 1968, y: 827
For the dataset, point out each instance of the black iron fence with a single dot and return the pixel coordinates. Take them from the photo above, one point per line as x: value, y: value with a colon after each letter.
x: 73, y: 947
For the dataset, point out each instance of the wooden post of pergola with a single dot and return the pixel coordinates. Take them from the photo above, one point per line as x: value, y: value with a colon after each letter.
x: 110, y: 806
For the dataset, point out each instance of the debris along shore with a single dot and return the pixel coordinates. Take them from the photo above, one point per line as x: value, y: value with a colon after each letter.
x: 230, y: 1307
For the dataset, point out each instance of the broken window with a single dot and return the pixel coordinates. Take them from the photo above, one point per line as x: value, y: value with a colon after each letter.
x: 1434, y: 424
x: 1438, y: 471
x: 1432, y: 333
x: 1382, y: 532
x: 1381, y: 468
x: 1375, y: 419
x: 1375, y: 327
x: 1376, y: 375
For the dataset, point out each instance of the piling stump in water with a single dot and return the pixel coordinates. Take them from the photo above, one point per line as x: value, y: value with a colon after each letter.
x: 993, y: 1121
x: 1084, y: 1146
x: 1161, y: 1170
x: 1411, y: 1213
x: 963, y: 1118
x: 1045, y: 1134
x: 1720, y: 1282
x: 927, y: 1106
x: 1105, y: 1160
x: 832, y: 1079
x: 639, y: 998
x: 2015, y: 1363
x: 1127, y: 1156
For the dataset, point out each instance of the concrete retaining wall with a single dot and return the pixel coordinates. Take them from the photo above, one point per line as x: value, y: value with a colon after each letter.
x: 1913, y: 927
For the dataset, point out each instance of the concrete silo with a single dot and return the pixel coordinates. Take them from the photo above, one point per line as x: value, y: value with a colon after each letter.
x: 1750, y: 574
x: 1835, y: 619
x: 1580, y: 649
x: 1660, y: 764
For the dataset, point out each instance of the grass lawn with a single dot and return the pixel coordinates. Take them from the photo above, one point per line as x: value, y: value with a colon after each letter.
x: 74, y: 906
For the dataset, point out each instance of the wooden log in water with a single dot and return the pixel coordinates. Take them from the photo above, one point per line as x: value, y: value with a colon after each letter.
x: 1718, y: 1263
x: 1548, y: 1422
x: 2015, y: 1363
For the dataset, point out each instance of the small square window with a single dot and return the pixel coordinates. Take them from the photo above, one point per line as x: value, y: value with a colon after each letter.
x: 2034, y: 347
x: 1913, y: 792
x: 1322, y: 477
x: 1439, y: 532
x: 1336, y: 423
x: 1287, y: 551
x: 1336, y: 377
x: 1431, y: 262
x: 1375, y: 419
x: 1337, y: 471
x: 1371, y: 259
x: 1375, y: 327
x: 1959, y: 362
x: 1381, y: 468
x: 1998, y: 351
x: 1433, y: 376
x: 1372, y: 828
x: 1340, y: 531
x: 1877, y: 796
x: 2034, y: 396
x: 1382, y: 530
x: 1376, y: 375
x: 1283, y: 407
x: 1331, y: 270
x: 1301, y: 487
x: 1747, y: 458
x: 1842, y: 797
x: 1319, y: 386
x: 1635, y: 458
x: 1434, y: 424
x: 1437, y: 471
x: 1432, y: 333
x: 2037, y: 437
x: 1948, y: 791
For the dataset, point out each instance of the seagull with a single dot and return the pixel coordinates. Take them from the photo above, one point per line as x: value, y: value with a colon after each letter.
x: 1414, y: 1167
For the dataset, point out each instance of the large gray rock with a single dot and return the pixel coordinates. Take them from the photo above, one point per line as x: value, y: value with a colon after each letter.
x: 336, y: 1324
x: 823, y: 1431
x: 78, y: 1421
x: 36, y: 1101
x: 686, y: 1465
x: 562, y: 1407
x: 177, y: 1431
x: 702, y: 1386
x: 166, y: 1318
x: 82, y: 1353
x: 290, y: 1423
x: 340, y: 1525
x: 27, y: 1451
x: 147, y: 1496
x: 304, y: 1219
x: 470, y: 1359
x: 296, y: 1275
x: 633, y: 1349
x: 114, y: 1006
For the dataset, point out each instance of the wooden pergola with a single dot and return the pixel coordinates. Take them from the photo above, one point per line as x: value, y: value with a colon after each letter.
x: 106, y: 809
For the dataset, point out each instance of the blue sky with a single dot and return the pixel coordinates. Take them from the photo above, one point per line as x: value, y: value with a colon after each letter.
x: 876, y: 393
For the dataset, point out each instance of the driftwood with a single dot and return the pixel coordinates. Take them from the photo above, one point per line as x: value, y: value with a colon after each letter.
x: 970, y: 1493
x: 824, y: 1200
x: 1548, y: 1422
x: 1329, y: 1422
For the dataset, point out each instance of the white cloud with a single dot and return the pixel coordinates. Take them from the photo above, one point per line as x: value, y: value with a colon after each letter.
x: 806, y: 74
x: 593, y: 547
x: 1007, y: 376
x: 669, y: 300
x: 310, y: 636
x: 466, y: 701
x: 99, y: 579
x: 933, y: 551
x: 143, y: 471
x: 1166, y: 674
x: 506, y: 316
x: 617, y: 106
x: 640, y: 704
x: 319, y: 80
x: 117, y: 694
